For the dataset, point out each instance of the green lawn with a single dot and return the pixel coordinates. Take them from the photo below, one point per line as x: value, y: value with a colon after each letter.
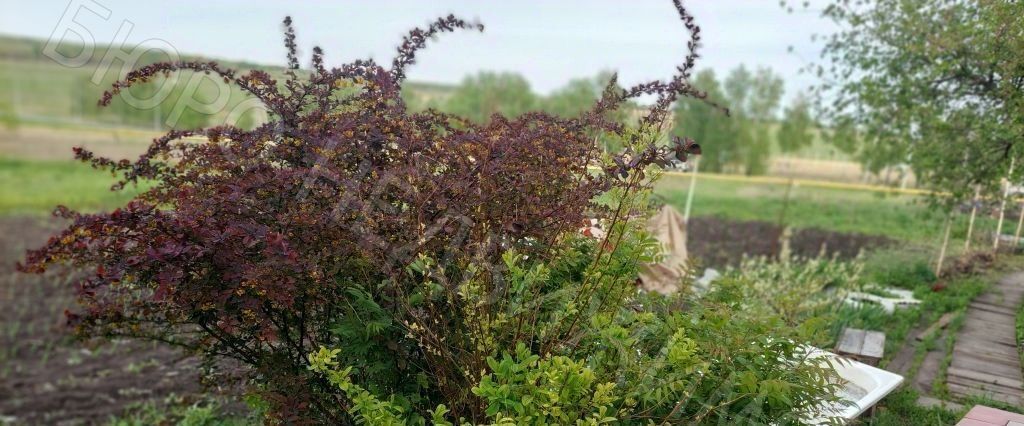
x: 36, y: 187
x: 897, y: 216
x: 31, y: 186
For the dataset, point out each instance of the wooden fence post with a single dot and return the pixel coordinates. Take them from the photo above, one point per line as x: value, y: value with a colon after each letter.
x: 785, y: 202
x: 689, y: 201
x: 1020, y: 223
x: 1002, y: 206
x: 689, y: 193
x: 970, y: 222
x: 945, y: 243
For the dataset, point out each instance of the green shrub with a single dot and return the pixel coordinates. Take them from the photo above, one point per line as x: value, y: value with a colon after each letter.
x: 796, y: 289
x: 901, y: 268
x: 713, y: 363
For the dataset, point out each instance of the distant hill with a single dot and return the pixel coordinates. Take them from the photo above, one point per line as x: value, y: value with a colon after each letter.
x: 39, y: 89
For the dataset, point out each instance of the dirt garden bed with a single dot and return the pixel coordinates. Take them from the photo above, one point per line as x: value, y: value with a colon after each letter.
x: 46, y: 377
x: 718, y: 242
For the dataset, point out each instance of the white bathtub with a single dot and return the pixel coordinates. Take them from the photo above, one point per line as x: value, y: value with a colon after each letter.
x: 863, y: 385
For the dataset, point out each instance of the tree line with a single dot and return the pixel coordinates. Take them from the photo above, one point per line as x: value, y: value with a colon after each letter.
x: 740, y: 142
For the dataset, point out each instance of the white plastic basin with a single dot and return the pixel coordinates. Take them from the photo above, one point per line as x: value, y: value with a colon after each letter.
x: 863, y: 385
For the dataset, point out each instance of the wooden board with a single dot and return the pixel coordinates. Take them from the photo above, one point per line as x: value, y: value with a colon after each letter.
x: 991, y: 308
x: 973, y: 363
x: 851, y: 342
x: 865, y: 345
x: 967, y: 391
x: 874, y: 344
x: 941, y: 324
x: 985, y: 377
x: 981, y: 388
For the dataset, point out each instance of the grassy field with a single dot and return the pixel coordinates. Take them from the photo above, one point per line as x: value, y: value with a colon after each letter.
x: 903, y: 217
x: 36, y: 187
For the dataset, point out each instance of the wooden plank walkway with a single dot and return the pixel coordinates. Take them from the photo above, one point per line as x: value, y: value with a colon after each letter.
x: 986, y: 361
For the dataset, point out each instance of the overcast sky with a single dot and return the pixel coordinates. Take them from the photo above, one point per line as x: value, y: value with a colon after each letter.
x: 549, y: 42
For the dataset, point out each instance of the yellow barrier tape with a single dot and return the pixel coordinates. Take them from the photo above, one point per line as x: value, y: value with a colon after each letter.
x: 775, y: 180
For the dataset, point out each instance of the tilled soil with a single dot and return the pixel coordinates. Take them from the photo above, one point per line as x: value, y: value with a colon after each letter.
x: 717, y: 242
x: 48, y: 378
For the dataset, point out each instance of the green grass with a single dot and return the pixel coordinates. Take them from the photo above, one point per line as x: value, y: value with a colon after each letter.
x: 900, y: 217
x: 174, y: 411
x: 36, y: 187
x: 32, y: 186
x: 901, y: 409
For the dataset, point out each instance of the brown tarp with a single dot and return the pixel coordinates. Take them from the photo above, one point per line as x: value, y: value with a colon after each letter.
x: 665, y: 277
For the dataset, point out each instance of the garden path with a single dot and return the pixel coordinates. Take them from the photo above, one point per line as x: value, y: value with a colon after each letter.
x: 986, y: 361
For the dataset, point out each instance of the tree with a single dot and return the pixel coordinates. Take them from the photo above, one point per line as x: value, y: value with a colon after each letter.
x: 575, y: 97
x: 742, y: 140
x: 765, y: 95
x: 709, y: 125
x: 737, y: 89
x: 935, y: 84
x: 487, y: 93
x: 795, y: 132
x: 754, y: 99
